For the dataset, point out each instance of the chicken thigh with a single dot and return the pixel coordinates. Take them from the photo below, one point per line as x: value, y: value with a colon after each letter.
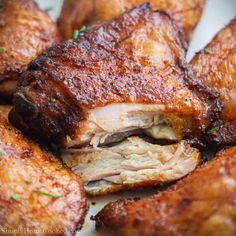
x: 125, y: 78
x: 75, y: 14
x: 25, y: 32
x: 215, y: 66
x: 38, y: 195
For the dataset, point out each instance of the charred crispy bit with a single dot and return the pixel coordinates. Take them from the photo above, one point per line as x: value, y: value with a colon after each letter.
x: 201, y: 204
x: 215, y: 66
x: 133, y: 163
x: 127, y: 77
x: 75, y: 14
x: 38, y: 195
x: 25, y: 31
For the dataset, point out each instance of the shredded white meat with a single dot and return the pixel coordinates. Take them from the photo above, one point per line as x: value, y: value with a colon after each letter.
x: 132, y: 162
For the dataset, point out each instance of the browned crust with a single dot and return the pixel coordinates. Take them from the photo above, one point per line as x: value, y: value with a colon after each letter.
x: 25, y: 32
x: 21, y: 161
x: 203, y: 203
x: 217, y: 69
x: 102, y: 67
x: 75, y: 14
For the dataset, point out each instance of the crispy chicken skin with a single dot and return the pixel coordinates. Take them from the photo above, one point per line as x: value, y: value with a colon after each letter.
x: 201, y: 204
x: 75, y: 14
x: 130, y: 164
x: 25, y: 32
x: 215, y: 66
x: 27, y: 175
x: 124, y: 77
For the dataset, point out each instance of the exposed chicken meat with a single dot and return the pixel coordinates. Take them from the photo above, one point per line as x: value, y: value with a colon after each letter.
x: 201, y: 204
x: 125, y: 77
x: 25, y: 32
x: 112, y: 123
x: 38, y: 195
x: 75, y: 14
x: 131, y: 163
x: 215, y: 66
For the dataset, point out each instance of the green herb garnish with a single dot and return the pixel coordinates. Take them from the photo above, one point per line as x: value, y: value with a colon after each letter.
x: 47, y: 194
x: 78, y: 32
x: 15, y: 197
x: 48, y: 9
x: 207, y: 51
x: 1, y: 153
x: 1, y: 49
x: 28, y: 182
x: 212, y: 130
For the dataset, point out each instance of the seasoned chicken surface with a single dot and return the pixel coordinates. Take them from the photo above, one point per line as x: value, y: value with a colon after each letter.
x: 75, y: 14
x: 201, y: 204
x: 215, y: 66
x: 25, y: 32
x: 132, y: 163
x: 126, y: 77
x: 38, y: 195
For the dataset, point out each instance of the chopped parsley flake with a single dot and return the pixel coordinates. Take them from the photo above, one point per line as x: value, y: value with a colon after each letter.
x: 47, y: 194
x: 78, y: 32
x: 1, y: 50
x: 212, y: 130
x: 207, y: 51
x: 15, y: 197
x: 1, y: 153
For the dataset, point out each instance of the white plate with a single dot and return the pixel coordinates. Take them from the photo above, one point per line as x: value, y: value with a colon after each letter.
x: 217, y: 13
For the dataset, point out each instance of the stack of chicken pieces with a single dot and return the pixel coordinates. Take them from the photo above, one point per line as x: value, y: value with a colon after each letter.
x: 123, y: 109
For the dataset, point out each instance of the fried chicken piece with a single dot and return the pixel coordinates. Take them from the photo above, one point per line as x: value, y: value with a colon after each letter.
x: 75, y: 14
x: 201, y: 204
x: 25, y: 32
x: 215, y: 66
x: 126, y: 77
x: 132, y: 163
x: 38, y: 195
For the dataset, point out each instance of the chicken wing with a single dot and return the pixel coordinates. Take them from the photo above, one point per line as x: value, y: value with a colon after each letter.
x: 215, y: 66
x: 25, y: 31
x: 75, y: 14
x: 201, y: 204
x: 124, y: 78
x: 38, y: 195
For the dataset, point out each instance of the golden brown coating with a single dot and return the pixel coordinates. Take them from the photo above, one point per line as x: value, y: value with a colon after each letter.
x: 38, y: 194
x: 25, y: 32
x: 75, y: 14
x: 136, y: 59
x: 201, y: 204
x: 215, y: 66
